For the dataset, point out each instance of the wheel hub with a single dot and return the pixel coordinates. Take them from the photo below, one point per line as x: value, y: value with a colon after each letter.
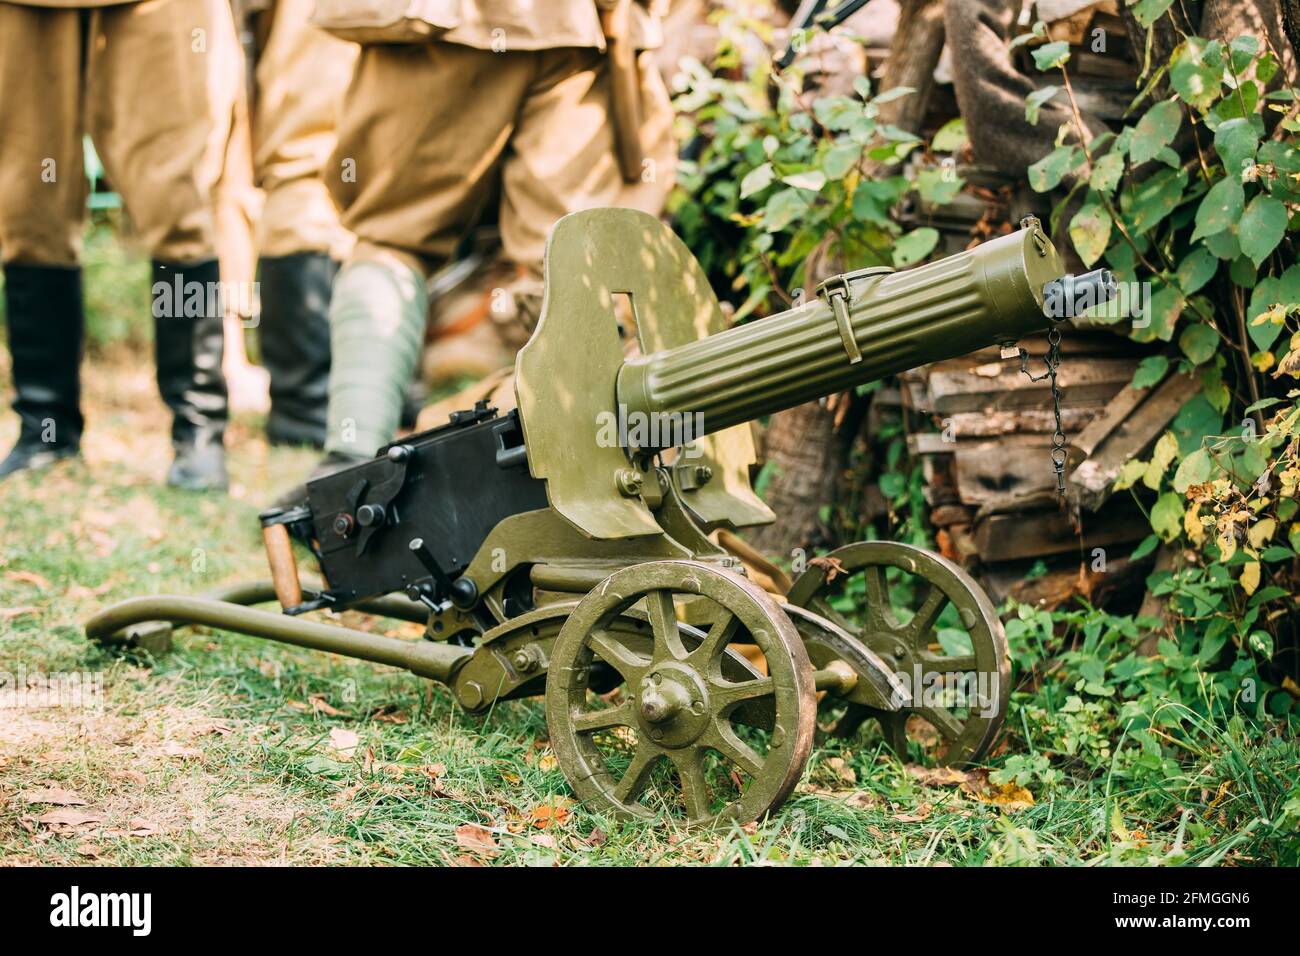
x: 673, y: 704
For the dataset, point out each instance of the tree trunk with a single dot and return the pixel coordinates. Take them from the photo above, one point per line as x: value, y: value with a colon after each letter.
x: 1291, y: 24
x: 913, y: 56
x: 802, y: 444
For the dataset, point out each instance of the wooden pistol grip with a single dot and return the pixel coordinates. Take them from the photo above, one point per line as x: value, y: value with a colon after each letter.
x: 284, y: 566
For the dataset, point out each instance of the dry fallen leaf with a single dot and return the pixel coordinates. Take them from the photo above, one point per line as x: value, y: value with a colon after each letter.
x: 940, y: 776
x: 546, y: 815
x: 343, y: 741
x: 70, y: 818
x: 922, y: 813
x: 832, y: 566
x: 321, y: 706
x: 29, y: 577
x: 175, y: 749
x: 1011, y: 797
x: 79, y: 592
x: 476, y: 839
x: 8, y: 613
x: 843, y: 770
x: 54, y: 796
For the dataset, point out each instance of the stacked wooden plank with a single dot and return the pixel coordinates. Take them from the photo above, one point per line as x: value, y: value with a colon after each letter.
x: 991, y: 486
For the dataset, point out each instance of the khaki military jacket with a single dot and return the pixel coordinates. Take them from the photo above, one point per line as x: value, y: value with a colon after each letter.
x: 497, y: 25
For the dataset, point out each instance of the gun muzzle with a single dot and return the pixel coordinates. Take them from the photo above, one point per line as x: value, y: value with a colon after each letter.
x: 1071, y: 296
x: 861, y: 327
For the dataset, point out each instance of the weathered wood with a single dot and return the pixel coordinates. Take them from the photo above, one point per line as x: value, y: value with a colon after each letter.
x: 1038, y: 534
x: 1001, y: 385
x: 1112, y: 416
x: 1089, y: 483
x: 1004, y: 473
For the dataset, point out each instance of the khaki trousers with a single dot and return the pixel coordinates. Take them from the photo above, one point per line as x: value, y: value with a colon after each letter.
x: 301, y: 76
x: 136, y: 78
x: 429, y: 131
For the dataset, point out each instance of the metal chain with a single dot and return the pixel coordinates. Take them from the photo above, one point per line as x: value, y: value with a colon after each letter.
x: 1052, y: 361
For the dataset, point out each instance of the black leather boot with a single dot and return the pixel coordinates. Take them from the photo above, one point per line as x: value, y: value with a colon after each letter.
x: 295, y: 337
x: 188, y: 346
x: 44, y: 318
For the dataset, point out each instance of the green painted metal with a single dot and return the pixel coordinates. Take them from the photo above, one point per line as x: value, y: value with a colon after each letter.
x: 634, y: 601
x: 676, y: 703
x: 425, y: 658
x: 908, y: 645
x: 989, y: 295
x: 876, y: 686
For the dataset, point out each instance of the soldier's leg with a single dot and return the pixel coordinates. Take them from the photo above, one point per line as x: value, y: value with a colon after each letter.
x: 563, y: 158
x: 151, y: 115
x: 422, y: 131
x: 42, y: 199
x: 302, y: 74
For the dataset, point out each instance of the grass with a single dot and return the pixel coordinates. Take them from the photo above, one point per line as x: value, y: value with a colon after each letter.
x: 232, y: 750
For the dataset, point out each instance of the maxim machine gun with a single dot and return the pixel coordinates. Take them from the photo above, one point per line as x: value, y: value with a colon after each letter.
x: 564, y: 547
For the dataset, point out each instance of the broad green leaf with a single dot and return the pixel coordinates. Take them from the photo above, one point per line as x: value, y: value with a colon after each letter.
x: 1167, y: 304
x: 1196, y: 269
x: 1154, y: 198
x: 1224, y: 244
x: 1155, y: 130
x: 1236, y: 142
x: 1047, y: 173
x: 1162, y: 456
x: 1150, y: 371
x: 837, y: 112
x: 1167, y: 516
x: 1194, y: 421
x: 840, y: 159
x: 894, y: 93
x: 1090, y: 230
x: 1192, y: 74
x: 951, y: 137
x: 1050, y: 56
x: 1147, y: 12
x: 1243, y: 49
x: 1199, y: 342
x: 1195, y: 469
x: 1106, y: 172
x: 938, y: 186
x: 813, y: 179
x: 1262, y: 226
x: 1149, y: 544
x: 1035, y: 100
x: 782, y: 209
x: 1220, y: 208
x: 756, y: 180
x: 915, y: 246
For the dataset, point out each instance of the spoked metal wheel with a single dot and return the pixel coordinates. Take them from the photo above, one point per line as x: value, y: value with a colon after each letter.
x: 690, y: 732
x: 935, y: 627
